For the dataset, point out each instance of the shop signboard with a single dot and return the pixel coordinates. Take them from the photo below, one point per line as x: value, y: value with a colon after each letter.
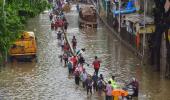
x: 147, y: 29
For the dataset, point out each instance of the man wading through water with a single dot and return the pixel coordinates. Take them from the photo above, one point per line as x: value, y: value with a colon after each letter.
x: 96, y: 65
x: 84, y: 77
x: 77, y: 76
x: 74, y: 42
x: 89, y: 84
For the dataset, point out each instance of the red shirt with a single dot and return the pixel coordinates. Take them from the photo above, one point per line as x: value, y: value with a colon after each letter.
x: 66, y: 47
x: 74, y: 60
x: 96, y: 64
x: 60, y: 23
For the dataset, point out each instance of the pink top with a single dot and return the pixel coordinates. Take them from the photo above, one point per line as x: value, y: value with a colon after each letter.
x: 108, y: 90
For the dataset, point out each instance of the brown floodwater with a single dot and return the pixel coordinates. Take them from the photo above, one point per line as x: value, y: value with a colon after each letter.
x: 48, y: 79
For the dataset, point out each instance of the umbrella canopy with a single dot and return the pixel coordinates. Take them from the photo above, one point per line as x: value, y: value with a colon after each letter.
x: 119, y: 92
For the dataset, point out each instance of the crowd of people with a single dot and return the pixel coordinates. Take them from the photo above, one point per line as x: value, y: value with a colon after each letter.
x: 75, y: 62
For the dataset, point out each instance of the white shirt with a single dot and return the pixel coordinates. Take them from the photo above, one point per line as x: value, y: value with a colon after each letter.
x: 62, y: 42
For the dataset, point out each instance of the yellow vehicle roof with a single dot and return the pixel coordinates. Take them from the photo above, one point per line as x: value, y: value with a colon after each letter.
x: 28, y: 34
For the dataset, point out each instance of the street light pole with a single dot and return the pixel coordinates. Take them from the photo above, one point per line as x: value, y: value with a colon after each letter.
x: 119, y: 16
x: 144, y: 34
x: 106, y: 7
x: 4, y: 15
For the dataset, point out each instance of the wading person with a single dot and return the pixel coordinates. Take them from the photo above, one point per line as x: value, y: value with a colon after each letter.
x: 81, y: 59
x: 77, y: 6
x: 61, y: 58
x: 62, y: 43
x: 100, y: 86
x: 89, y: 84
x: 51, y: 16
x: 77, y: 76
x: 96, y: 65
x: 66, y: 47
x: 101, y: 77
x: 74, y: 42
x: 59, y: 35
x: 81, y: 51
x: 113, y: 82
x: 108, y: 91
x: 65, y: 25
x: 70, y: 66
x: 65, y: 57
x: 52, y: 25
x: 84, y: 77
x: 56, y: 24
x: 135, y: 85
x: 74, y: 60
x: 95, y: 79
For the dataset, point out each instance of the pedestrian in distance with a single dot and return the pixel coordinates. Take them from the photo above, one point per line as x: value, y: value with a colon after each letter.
x: 78, y: 7
x: 96, y: 65
x: 51, y: 16
x: 74, y: 42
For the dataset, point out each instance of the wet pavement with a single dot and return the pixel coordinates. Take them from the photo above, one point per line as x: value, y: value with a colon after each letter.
x: 48, y: 79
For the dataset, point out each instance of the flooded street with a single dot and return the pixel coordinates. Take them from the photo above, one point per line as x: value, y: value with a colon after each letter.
x: 48, y: 79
